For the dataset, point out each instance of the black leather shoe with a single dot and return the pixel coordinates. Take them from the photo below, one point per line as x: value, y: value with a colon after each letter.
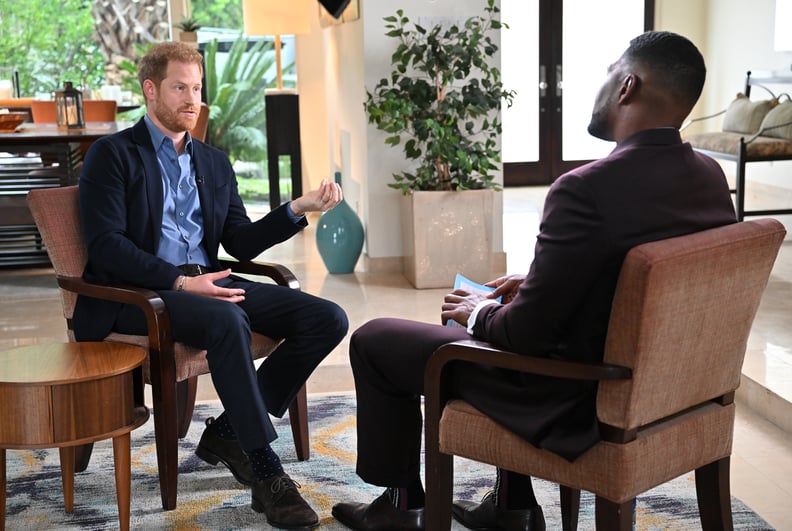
x: 278, y: 498
x: 213, y: 449
x: 486, y: 516
x: 379, y: 515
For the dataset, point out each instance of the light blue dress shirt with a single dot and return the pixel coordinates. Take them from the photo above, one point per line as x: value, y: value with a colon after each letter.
x: 182, y: 223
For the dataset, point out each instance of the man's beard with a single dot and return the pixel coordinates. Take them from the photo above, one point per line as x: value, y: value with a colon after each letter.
x: 174, y: 120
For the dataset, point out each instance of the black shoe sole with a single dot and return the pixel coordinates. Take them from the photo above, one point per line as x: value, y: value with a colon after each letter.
x: 212, y: 458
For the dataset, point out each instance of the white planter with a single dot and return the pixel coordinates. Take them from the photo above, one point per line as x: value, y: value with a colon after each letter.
x: 445, y: 233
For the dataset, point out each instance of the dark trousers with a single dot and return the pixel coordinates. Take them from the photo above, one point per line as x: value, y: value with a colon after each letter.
x: 388, y: 357
x: 310, y: 326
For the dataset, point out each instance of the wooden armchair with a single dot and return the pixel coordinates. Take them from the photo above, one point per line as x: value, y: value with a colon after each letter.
x: 172, y: 368
x: 681, y: 317
x: 753, y: 131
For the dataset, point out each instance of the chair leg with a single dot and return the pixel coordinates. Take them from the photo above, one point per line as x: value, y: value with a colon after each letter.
x: 714, y: 495
x: 82, y: 456
x: 439, y: 490
x: 739, y: 195
x: 166, y: 438
x: 298, y: 417
x: 185, y: 402
x: 614, y: 516
x: 570, y: 507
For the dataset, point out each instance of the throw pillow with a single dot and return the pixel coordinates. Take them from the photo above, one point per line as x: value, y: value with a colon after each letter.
x: 745, y: 116
x: 778, y: 122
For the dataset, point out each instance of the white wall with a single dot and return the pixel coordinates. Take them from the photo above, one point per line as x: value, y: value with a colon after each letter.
x: 335, y: 67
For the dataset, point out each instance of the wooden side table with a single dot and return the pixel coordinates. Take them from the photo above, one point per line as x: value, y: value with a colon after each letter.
x: 64, y: 395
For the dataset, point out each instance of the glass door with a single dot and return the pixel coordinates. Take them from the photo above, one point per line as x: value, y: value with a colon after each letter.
x: 555, y: 55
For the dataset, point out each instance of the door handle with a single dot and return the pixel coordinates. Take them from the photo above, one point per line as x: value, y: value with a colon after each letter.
x: 559, y: 82
x: 542, y: 81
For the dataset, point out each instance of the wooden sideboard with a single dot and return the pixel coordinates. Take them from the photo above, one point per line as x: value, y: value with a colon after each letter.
x: 37, y: 156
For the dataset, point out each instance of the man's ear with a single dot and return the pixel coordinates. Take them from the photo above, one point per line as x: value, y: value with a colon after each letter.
x: 628, y: 87
x: 149, y: 89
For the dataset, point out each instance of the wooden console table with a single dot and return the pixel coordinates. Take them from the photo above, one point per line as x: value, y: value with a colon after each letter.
x: 64, y: 395
x: 37, y: 156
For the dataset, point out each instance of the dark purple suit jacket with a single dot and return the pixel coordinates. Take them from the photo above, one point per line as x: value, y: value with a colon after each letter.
x: 121, y: 201
x: 651, y: 187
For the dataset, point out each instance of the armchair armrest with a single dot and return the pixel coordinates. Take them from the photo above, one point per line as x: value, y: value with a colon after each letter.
x: 437, y: 387
x: 486, y: 353
x: 281, y: 274
x: 157, y: 318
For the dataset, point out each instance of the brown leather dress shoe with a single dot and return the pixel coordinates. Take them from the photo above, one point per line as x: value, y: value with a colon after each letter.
x: 277, y: 497
x: 487, y: 516
x: 379, y: 515
x: 213, y: 449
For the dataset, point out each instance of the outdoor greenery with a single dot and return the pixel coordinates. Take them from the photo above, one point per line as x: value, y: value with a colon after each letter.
x: 235, y: 95
x: 218, y: 13
x: 443, y: 99
x: 49, y: 43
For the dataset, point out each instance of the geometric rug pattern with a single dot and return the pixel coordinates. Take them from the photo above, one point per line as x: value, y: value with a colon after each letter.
x: 209, y: 498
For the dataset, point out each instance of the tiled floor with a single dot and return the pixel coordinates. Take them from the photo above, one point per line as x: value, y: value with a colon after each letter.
x: 762, y: 461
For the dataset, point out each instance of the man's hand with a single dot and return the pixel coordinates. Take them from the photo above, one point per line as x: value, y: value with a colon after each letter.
x: 204, y: 285
x: 506, y: 287
x: 325, y: 198
x: 458, y: 305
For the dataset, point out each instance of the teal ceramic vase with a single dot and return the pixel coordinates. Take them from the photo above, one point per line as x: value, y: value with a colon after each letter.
x: 339, y: 237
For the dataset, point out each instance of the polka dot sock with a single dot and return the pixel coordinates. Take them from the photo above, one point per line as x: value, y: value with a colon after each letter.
x: 265, y: 463
x: 222, y: 427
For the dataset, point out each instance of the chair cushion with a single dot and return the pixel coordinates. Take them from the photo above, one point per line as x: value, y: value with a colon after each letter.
x: 745, y: 116
x: 778, y: 122
x: 762, y: 147
x: 617, y: 472
x: 191, y: 361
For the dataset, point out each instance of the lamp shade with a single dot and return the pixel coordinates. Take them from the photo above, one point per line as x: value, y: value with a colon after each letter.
x: 276, y: 17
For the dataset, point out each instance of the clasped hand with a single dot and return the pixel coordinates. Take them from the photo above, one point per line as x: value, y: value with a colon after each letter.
x: 459, y: 304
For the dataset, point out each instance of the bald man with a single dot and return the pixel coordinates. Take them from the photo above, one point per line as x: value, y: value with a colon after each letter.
x: 651, y: 187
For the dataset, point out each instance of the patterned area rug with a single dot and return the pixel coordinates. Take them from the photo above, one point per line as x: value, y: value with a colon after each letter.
x: 209, y: 497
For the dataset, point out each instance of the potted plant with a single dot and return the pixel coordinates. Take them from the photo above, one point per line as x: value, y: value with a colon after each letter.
x: 188, y: 27
x: 441, y: 104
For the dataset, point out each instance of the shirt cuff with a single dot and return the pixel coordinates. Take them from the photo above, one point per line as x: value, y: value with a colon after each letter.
x: 292, y: 216
x: 472, y: 319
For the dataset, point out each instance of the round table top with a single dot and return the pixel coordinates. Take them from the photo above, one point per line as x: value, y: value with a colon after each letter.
x: 58, y: 363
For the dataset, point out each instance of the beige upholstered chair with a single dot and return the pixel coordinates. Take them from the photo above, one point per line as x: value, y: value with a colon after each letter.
x: 172, y: 368
x: 677, y: 336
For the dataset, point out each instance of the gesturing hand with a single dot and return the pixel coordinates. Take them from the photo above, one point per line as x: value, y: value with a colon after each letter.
x: 327, y: 196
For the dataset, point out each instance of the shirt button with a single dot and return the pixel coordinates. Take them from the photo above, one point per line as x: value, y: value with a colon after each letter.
x: 181, y: 214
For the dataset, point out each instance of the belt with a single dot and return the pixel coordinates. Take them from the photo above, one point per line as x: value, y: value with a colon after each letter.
x: 193, y: 270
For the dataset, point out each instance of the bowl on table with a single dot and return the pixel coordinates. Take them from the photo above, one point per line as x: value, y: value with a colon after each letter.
x: 11, y: 120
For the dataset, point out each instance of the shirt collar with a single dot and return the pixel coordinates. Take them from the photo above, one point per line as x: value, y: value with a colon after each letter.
x: 157, y: 136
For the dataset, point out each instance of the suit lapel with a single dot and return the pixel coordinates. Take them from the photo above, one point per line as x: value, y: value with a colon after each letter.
x: 205, y: 190
x: 152, y: 175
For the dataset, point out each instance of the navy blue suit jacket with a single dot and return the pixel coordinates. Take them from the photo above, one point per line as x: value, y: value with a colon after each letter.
x: 121, y: 199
